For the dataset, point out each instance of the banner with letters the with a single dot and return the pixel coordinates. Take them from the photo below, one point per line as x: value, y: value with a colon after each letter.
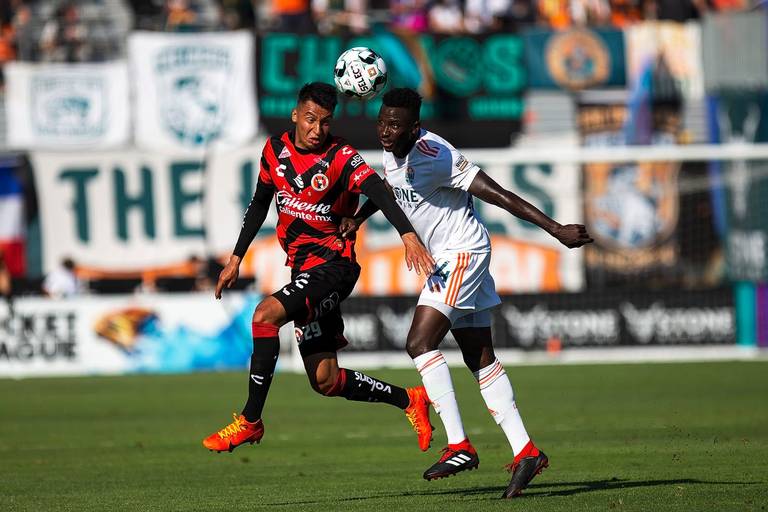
x: 131, y: 211
x: 192, y: 91
x: 67, y: 106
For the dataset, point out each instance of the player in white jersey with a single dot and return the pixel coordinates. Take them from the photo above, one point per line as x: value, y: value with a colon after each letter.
x: 434, y: 184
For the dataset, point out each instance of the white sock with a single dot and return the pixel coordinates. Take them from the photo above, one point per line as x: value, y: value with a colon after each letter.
x: 500, y: 399
x: 437, y: 381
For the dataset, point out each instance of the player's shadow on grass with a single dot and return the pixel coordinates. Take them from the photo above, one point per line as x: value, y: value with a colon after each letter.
x: 539, y: 490
x: 535, y: 490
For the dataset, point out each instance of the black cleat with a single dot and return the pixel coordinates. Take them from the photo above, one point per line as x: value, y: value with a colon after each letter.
x: 523, y: 472
x: 455, y: 459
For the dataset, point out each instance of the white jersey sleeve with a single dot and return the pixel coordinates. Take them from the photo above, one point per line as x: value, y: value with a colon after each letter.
x: 454, y: 170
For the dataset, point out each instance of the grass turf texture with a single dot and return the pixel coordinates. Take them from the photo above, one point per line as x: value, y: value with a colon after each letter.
x: 620, y: 437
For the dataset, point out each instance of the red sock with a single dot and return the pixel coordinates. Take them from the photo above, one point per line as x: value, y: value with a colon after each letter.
x: 529, y: 450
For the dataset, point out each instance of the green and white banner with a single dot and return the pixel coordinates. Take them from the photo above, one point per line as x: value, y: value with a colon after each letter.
x: 192, y: 90
x: 132, y: 211
x: 67, y: 106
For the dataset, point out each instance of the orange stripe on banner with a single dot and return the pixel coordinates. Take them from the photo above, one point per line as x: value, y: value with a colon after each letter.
x: 460, y: 279
x: 490, y: 378
x: 435, y: 359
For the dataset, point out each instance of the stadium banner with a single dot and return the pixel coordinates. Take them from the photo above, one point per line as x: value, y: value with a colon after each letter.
x: 632, y: 208
x: 67, y: 106
x: 669, y: 49
x: 564, y: 321
x: 465, y: 81
x: 132, y: 211
x: 161, y: 333
x: 192, y: 90
x: 742, y: 117
x: 125, y: 334
x: 574, y: 59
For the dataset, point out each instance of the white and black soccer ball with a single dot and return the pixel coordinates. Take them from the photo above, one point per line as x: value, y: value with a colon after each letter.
x: 360, y: 73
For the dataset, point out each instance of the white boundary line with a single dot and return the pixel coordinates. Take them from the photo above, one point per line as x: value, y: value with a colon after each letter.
x: 699, y: 353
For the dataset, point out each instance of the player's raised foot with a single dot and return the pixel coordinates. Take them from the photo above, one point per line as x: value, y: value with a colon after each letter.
x: 238, y: 432
x: 417, y: 413
x: 528, y: 463
x: 455, y: 459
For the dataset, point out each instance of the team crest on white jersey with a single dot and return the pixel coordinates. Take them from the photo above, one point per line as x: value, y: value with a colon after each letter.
x: 319, y: 182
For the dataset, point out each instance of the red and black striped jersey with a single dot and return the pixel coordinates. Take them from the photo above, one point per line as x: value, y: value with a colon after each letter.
x: 313, y: 191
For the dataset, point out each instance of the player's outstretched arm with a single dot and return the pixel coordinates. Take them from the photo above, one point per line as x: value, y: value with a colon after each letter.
x: 350, y: 225
x: 485, y: 188
x: 416, y: 255
x: 254, y: 218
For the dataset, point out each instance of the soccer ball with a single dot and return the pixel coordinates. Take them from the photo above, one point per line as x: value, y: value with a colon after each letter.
x: 360, y: 73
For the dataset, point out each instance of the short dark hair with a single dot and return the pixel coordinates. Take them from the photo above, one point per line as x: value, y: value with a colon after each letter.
x: 403, y: 97
x: 321, y: 93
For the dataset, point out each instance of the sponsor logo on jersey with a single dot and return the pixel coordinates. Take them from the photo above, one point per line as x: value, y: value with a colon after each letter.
x: 320, y: 161
x: 360, y: 175
x: 299, y: 181
x: 346, y: 151
x: 319, y: 182
x: 356, y: 161
x: 280, y: 170
x: 286, y: 200
x: 462, y: 164
x: 285, y: 153
x: 407, y: 195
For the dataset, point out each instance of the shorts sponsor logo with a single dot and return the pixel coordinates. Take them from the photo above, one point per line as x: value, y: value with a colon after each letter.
x: 327, y: 304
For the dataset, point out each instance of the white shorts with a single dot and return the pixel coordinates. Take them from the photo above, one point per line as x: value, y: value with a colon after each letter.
x: 462, y: 289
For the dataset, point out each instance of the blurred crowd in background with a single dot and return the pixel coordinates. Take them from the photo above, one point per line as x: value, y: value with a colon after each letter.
x: 95, y: 30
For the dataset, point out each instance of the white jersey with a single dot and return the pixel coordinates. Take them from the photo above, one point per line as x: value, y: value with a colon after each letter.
x: 430, y: 186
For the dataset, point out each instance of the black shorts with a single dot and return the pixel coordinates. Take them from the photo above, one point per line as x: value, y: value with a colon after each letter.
x: 312, y: 300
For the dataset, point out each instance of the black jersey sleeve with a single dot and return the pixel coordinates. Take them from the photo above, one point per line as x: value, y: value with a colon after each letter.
x: 254, y: 216
x: 377, y: 192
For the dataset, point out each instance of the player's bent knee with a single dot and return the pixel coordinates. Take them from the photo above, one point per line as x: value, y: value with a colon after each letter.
x: 269, y: 311
x: 416, y: 347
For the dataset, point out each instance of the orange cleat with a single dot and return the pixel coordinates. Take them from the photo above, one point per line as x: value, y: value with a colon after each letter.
x: 236, y: 433
x: 417, y: 413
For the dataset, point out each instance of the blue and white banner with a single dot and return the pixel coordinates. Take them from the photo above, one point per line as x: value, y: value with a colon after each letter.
x: 192, y: 90
x: 67, y: 106
x: 126, y: 334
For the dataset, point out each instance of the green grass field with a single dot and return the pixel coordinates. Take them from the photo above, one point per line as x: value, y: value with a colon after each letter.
x: 619, y: 437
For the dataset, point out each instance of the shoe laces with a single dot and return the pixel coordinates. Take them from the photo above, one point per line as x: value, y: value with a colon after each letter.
x: 233, y: 428
x: 411, y: 415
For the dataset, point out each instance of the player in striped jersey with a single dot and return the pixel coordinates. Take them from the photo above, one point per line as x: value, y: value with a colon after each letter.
x: 316, y: 180
x: 434, y: 185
